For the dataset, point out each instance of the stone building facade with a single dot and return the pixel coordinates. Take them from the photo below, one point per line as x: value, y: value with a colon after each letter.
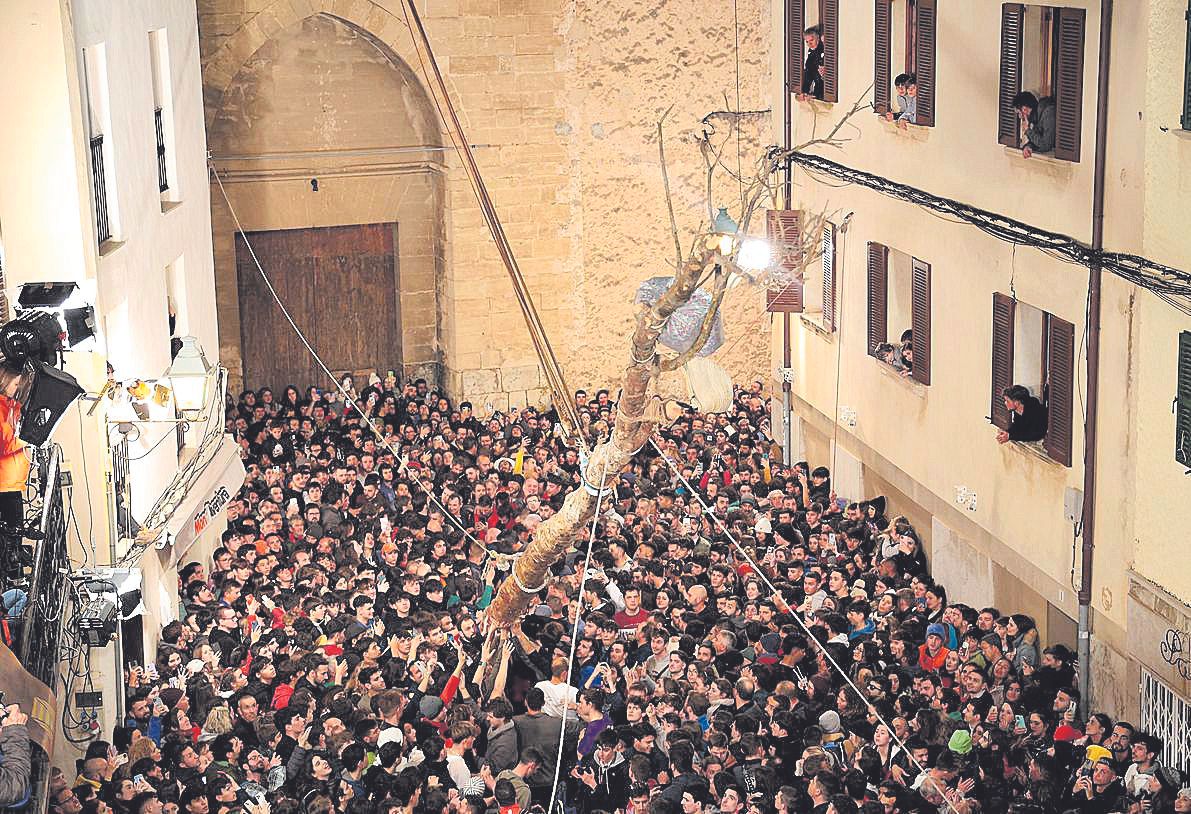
x: 561, y: 100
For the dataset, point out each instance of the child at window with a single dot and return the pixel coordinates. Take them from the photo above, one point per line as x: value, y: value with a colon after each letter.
x: 906, y: 85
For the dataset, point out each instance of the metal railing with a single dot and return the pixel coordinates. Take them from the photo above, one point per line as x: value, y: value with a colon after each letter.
x: 37, y: 630
x: 99, y: 189
x: 163, y: 182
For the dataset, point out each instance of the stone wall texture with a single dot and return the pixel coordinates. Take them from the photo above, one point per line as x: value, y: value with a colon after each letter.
x: 562, y: 101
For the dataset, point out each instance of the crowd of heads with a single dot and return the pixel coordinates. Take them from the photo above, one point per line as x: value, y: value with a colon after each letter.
x: 743, y: 640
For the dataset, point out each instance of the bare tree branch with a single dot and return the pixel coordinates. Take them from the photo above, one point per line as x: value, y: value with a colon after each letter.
x: 666, y: 187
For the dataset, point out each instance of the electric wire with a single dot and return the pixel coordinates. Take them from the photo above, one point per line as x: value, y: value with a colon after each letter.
x: 1165, y: 281
x: 782, y: 600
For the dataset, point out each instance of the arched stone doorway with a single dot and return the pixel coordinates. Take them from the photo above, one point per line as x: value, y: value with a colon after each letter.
x: 329, y: 151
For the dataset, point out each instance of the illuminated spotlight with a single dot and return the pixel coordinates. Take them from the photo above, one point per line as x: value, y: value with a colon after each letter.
x: 70, y: 306
x: 754, y: 255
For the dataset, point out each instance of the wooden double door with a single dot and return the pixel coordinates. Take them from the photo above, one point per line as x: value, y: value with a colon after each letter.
x: 339, y: 284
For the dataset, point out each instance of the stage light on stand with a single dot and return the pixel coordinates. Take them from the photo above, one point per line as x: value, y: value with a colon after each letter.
x: 70, y: 307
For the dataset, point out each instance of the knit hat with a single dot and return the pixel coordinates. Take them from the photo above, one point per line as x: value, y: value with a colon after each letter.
x: 1066, y: 732
x: 430, y: 706
x: 170, y: 696
x: 961, y: 742
x: 935, y: 629
x: 1096, y: 753
x: 829, y: 722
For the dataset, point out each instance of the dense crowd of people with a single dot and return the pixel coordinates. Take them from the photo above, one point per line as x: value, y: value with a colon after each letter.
x: 744, y: 640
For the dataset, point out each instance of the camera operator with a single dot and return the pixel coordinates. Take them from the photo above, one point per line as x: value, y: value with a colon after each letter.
x: 15, y: 761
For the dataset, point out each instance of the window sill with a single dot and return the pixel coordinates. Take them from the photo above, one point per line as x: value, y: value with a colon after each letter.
x: 110, y: 246
x: 169, y: 206
x: 914, y: 386
x: 1032, y: 449
x: 816, y: 325
x: 917, y: 132
x: 1178, y: 132
x: 813, y: 104
x: 1040, y: 159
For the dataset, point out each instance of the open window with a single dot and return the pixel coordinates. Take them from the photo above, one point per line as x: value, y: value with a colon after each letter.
x: 1035, y: 349
x: 904, y: 44
x: 801, y: 15
x: 1042, y: 50
x: 899, y: 311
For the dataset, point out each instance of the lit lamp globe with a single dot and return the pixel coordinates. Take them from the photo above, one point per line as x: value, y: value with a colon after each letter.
x: 190, y: 377
x: 723, y: 232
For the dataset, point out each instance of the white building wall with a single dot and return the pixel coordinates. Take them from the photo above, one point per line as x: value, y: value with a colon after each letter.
x: 47, y: 225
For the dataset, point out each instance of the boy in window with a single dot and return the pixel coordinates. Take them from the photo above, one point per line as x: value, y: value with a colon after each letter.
x: 1038, y: 116
x: 1027, y: 416
x: 906, y: 85
x: 812, y: 71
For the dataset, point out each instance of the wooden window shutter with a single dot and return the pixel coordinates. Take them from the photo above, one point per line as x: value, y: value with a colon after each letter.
x: 882, y: 48
x: 1002, y: 357
x: 1060, y: 389
x: 1186, y: 119
x: 795, y: 25
x: 1069, y: 83
x: 783, y: 228
x: 920, y: 320
x: 924, y: 62
x: 829, y: 21
x: 828, y: 252
x: 1008, y: 124
x: 1182, y: 404
x: 878, y: 296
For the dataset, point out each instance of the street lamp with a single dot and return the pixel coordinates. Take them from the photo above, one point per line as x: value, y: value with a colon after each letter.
x: 190, y: 377
x: 723, y: 232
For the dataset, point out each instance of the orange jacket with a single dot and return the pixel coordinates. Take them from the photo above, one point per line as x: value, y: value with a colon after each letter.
x: 14, y: 463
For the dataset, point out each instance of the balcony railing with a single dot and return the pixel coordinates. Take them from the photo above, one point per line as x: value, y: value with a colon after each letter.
x: 163, y: 182
x: 103, y: 226
x: 34, y: 634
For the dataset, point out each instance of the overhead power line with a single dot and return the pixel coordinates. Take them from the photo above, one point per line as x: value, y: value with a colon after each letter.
x: 1171, y: 284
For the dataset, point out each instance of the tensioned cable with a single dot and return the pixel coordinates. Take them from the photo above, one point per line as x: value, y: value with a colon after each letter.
x: 403, y: 463
x: 797, y: 618
x: 564, y: 403
x: 562, y: 729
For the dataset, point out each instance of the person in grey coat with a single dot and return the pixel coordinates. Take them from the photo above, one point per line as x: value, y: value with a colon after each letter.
x: 501, y: 753
x: 15, y: 760
x: 1038, y: 115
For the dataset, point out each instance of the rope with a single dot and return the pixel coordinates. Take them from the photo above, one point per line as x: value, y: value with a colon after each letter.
x: 562, y: 729
x: 403, y: 463
x: 797, y: 618
x: 564, y: 402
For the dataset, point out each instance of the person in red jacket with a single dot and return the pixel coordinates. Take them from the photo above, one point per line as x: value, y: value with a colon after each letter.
x: 932, y: 654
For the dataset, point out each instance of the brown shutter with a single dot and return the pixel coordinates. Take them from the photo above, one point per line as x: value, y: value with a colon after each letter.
x: 1186, y: 118
x: 1060, y: 387
x: 829, y: 21
x: 828, y: 251
x: 1182, y: 403
x: 795, y: 25
x: 920, y: 320
x: 1069, y: 84
x: 783, y: 229
x: 924, y: 66
x: 878, y: 296
x: 882, y: 47
x: 1008, y: 124
x: 1002, y: 357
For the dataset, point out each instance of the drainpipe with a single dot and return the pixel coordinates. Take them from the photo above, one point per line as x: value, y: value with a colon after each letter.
x: 1084, y: 646
x: 788, y: 196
